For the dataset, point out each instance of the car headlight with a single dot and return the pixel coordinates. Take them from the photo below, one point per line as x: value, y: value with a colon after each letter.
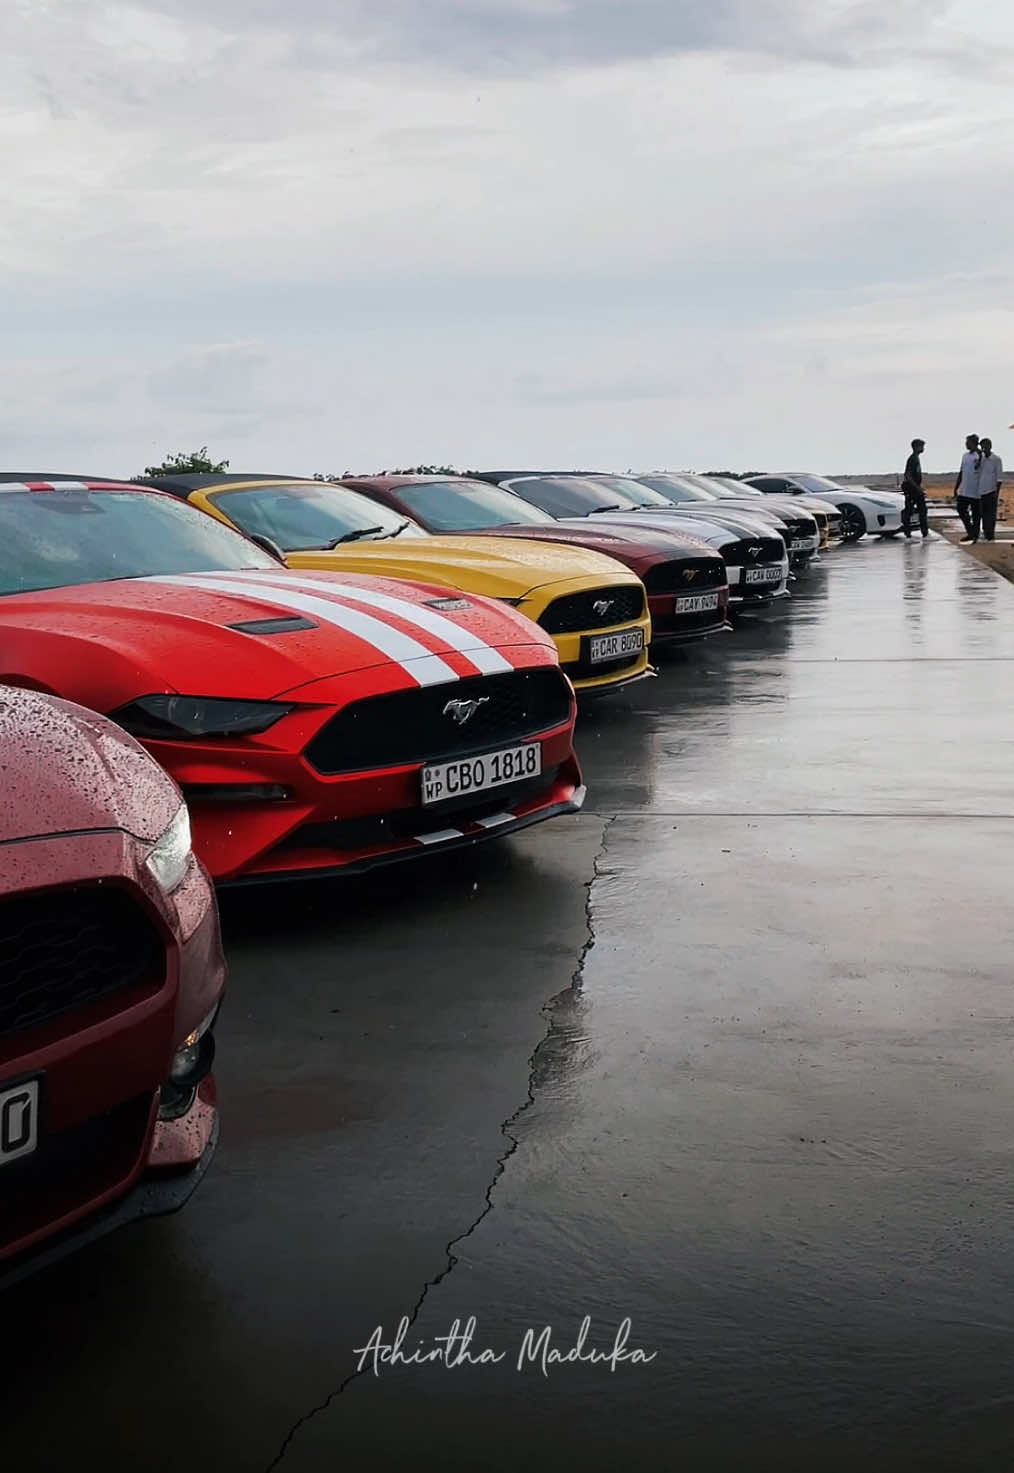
x: 177, y: 717
x: 170, y: 856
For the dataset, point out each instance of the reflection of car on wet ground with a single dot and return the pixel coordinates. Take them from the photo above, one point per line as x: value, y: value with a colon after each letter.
x: 111, y: 973
x: 315, y: 722
x: 688, y: 593
x: 754, y: 552
x: 862, y: 510
x: 799, y: 528
x: 594, y: 608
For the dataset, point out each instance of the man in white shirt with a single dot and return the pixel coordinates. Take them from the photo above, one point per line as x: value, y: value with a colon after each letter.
x: 966, y: 489
x: 990, y: 481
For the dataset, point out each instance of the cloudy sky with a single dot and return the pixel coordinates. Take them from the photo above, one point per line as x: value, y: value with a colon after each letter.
x: 349, y: 234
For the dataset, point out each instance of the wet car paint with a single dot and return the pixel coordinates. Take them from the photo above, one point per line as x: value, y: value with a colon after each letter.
x: 767, y: 1114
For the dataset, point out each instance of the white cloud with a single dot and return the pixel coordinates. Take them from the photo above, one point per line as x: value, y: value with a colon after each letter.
x: 566, y: 231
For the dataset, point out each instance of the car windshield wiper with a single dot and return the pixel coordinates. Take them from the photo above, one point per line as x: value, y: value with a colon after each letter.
x: 596, y: 510
x: 359, y: 535
x: 396, y: 533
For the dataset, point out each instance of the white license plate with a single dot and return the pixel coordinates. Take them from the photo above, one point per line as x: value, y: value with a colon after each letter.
x: 445, y: 780
x: 19, y: 1121
x: 603, y: 647
x: 699, y: 603
x: 763, y: 575
x: 802, y: 544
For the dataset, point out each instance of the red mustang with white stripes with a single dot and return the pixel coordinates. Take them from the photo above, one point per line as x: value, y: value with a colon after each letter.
x: 316, y: 722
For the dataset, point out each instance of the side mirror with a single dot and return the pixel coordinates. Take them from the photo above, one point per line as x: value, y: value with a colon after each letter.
x: 268, y: 546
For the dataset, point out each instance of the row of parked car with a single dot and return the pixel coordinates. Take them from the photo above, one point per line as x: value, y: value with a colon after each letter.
x: 239, y: 678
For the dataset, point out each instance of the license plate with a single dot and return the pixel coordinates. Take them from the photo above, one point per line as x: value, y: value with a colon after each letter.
x: 802, y: 544
x: 445, y: 780
x: 698, y: 603
x: 763, y: 575
x: 19, y: 1121
x: 604, y: 647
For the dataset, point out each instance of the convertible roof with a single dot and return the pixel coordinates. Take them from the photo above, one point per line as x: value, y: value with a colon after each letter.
x: 198, y: 482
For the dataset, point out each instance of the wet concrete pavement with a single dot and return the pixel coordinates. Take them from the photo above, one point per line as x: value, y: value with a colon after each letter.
x: 767, y: 1115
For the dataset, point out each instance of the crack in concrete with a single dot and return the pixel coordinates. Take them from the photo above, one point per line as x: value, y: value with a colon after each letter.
x: 506, y: 1128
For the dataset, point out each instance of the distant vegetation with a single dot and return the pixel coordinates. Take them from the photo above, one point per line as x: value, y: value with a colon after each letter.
x: 197, y: 463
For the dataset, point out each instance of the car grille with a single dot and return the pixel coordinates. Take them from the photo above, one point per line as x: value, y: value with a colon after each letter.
x: 353, y: 834
x: 749, y: 552
x: 577, y: 612
x: 800, y: 528
x: 62, y: 949
x: 73, y: 1167
x: 685, y: 577
x: 411, y: 726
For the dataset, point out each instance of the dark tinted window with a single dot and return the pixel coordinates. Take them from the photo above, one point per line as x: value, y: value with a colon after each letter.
x: 56, y: 539
x: 302, y: 516
x: 574, y: 496
x: 467, y: 506
x: 676, y: 490
x: 770, y: 484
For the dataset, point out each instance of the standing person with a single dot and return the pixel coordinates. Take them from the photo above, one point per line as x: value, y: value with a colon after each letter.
x: 966, y: 489
x: 990, y: 481
x: 915, y: 496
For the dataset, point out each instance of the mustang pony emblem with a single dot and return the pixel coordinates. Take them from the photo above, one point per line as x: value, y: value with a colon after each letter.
x: 603, y: 606
x: 756, y: 551
x: 463, y: 711
x: 690, y: 574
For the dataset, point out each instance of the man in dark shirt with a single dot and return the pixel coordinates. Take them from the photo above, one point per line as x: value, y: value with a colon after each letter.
x: 915, y: 496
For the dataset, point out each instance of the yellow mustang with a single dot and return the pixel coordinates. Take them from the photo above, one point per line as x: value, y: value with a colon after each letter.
x: 595, y: 609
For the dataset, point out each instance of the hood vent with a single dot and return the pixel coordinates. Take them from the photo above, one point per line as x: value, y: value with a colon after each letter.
x: 287, y: 624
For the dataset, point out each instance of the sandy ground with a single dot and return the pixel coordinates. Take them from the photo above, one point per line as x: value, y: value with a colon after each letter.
x: 996, y: 555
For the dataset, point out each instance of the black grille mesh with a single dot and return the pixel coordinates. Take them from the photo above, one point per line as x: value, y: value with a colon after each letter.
x: 61, y: 949
x: 690, y: 575
x: 577, y: 612
x: 411, y: 726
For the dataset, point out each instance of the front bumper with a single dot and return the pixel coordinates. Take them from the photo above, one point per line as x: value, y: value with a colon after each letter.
x: 670, y: 628
x: 157, y: 1193
x: 745, y: 595
x: 497, y: 826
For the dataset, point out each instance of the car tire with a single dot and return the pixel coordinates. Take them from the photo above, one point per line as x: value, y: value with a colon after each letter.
x: 853, y: 523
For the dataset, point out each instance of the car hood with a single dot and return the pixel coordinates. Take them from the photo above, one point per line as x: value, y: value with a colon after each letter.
x: 739, y: 523
x: 65, y: 770
x: 498, y: 567
x: 629, y: 544
x: 260, y: 634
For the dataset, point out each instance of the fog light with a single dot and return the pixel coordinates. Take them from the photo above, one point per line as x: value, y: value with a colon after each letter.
x: 192, y: 1063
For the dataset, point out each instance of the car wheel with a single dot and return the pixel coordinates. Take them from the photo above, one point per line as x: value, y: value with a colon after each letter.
x: 853, y: 523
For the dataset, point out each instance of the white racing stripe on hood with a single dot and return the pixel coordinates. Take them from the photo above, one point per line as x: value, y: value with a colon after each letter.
x: 416, y: 660
x: 486, y: 660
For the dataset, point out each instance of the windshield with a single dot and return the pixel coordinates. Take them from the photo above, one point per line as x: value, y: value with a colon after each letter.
x: 816, y: 483
x: 467, y: 506
x: 631, y: 490
x: 737, y: 488
x: 578, y: 496
x: 305, y: 516
x: 675, y: 488
x: 58, y: 539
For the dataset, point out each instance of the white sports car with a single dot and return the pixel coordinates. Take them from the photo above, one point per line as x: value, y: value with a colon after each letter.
x: 862, y: 510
